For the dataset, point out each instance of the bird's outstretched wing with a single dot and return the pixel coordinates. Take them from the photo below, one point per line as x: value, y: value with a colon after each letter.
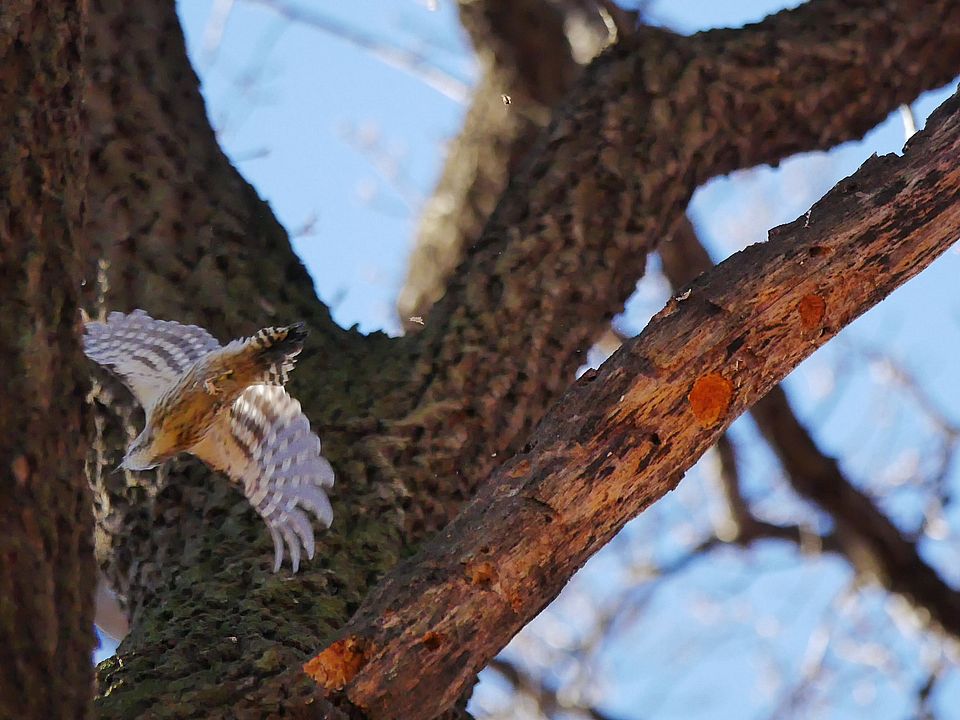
x: 264, y: 442
x: 148, y: 355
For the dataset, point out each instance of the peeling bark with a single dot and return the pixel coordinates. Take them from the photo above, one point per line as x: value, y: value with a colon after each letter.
x: 623, y: 436
x: 46, y: 548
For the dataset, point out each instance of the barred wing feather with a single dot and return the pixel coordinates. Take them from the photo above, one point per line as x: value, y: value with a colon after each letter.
x: 266, y: 444
x: 148, y: 355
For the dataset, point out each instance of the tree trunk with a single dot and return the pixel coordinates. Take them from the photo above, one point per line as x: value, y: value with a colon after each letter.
x: 46, y: 552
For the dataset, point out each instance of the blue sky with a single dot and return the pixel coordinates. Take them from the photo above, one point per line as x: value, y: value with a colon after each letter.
x: 342, y: 143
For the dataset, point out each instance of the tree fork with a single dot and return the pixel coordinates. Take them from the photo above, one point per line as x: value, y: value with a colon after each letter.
x: 623, y: 436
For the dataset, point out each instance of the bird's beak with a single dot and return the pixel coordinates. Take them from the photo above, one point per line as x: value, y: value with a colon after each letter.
x: 124, y: 463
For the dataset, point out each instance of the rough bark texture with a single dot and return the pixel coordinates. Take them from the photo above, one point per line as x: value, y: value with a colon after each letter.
x: 623, y: 436
x: 46, y: 549
x: 181, y: 235
x: 413, y: 425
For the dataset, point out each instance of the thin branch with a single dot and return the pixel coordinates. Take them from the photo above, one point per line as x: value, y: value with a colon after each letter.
x: 908, y: 380
x: 387, y: 165
x: 926, y: 691
x: 214, y: 28
x: 814, y: 659
x: 621, y: 23
x: 745, y: 527
x: 410, y: 61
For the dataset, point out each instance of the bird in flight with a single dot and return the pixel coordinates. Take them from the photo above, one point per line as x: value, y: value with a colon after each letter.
x: 227, y: 406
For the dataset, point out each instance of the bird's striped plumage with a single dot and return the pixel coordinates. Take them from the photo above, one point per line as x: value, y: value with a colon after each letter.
x: 227, y: 406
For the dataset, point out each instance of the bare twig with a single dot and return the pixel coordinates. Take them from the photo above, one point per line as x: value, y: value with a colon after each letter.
x: 410, y: 61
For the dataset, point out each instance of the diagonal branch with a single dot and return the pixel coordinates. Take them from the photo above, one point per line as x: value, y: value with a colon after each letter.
x: 865, y: 535
x: 408, y: 60
x: 622, y: 437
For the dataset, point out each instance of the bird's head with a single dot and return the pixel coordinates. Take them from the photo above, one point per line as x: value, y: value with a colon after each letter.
x: 140, y: 454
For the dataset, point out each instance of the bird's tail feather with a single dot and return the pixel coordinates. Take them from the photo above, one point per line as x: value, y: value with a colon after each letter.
x: 276, y: 350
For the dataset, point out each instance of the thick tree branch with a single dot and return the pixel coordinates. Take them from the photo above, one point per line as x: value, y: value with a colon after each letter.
x: 46, y: 522
x: 866, y: 536
x: 649, y: 120
x: 182, y: 235
x: 185, y: 237
x: 623, y: 436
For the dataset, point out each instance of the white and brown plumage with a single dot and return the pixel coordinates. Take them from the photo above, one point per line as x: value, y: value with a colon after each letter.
x: 227, y: 406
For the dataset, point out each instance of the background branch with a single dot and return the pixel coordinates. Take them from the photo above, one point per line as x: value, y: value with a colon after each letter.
x: 523, y: 53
